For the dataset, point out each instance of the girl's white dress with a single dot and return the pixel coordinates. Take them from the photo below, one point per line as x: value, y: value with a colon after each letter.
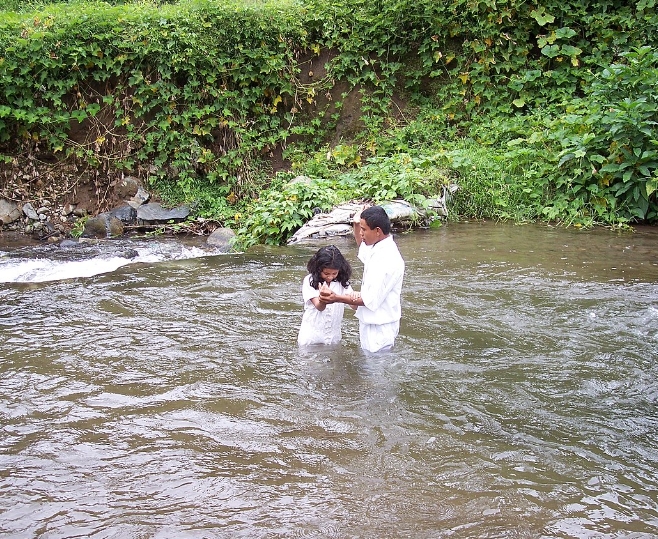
x: 321, y: 327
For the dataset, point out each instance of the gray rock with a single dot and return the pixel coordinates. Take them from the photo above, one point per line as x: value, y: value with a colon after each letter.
x: 127, y: 188
x: 221, y: 239
x: 68, y: 209
x: 103, y: 225
x: 155, y: 212
x: 29, y: 212
x: 69, y: 244
x: 399, y: 210
x: 126, y: 214
x: 140, y: 198
x: 337, y: 222
x: 335, y: 230
x: 123, y: 253
x: 9, y: 211
x: 301, y: 179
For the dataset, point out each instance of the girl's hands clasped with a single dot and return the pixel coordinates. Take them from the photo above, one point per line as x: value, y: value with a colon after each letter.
x: 326, y: 294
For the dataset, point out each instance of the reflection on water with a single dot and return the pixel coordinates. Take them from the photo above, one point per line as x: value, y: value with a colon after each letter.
x: 170, y: 399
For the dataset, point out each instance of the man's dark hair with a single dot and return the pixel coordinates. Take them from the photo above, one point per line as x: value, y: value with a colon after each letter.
x: 376, y: 216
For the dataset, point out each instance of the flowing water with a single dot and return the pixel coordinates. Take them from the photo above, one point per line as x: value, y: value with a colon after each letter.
x: 166, y: 397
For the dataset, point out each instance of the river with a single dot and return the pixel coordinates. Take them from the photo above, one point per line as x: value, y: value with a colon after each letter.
x: 166, y: 397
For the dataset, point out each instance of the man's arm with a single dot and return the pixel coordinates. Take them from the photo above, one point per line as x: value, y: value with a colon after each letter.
x: 357, y: 231
x: 328, y: 296
x: 356, y: 226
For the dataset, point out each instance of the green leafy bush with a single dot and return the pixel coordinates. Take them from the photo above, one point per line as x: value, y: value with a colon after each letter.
x: 283, y: 209
x: 192, y: 97
x: 276, y: 215
x: 609, y: 158
x: 170, y: 93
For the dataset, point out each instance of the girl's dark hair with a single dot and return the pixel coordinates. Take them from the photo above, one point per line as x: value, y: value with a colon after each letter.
x: 329, y: 257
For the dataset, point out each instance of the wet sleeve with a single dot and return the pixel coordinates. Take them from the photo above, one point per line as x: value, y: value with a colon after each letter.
x: 308, y: 292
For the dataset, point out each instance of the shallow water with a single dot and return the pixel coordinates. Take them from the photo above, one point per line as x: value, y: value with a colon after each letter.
x: 169, y: 398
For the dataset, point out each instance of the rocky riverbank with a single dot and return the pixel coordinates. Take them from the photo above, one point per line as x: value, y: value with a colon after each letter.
x: 134, y: 212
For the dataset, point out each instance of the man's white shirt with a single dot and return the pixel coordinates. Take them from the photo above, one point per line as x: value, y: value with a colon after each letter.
x: 381, y: 287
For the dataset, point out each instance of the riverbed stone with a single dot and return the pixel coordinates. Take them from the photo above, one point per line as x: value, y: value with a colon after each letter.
x: 126, y: 214
x: 127, y: 188
x: 154, y: 212
x: 103, y: 225
x: 9, y: 211
x: 140, y: 198
x: 123, y: 252
x: 221, y: 239
x: 69, y: 244
x: 30, y: 212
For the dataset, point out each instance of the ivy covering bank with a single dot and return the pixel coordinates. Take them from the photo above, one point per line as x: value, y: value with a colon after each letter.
x: 538, y: 112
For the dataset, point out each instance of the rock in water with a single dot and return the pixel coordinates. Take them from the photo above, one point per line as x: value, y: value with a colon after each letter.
x: 221, y: 239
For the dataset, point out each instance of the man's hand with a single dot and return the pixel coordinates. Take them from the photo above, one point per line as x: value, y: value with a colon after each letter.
x: 356, y: 219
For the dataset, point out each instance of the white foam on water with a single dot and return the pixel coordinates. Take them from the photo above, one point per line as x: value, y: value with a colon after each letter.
x: 43, y: 269
x: 40, y: 270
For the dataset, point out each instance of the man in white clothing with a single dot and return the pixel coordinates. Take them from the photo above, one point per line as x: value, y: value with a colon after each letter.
x: 379, y: 309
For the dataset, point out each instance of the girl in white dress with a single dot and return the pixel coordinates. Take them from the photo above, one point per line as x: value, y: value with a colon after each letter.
x: 321, y: 322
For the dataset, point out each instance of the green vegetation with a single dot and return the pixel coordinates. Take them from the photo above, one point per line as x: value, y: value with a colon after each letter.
x: 537, y: 113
